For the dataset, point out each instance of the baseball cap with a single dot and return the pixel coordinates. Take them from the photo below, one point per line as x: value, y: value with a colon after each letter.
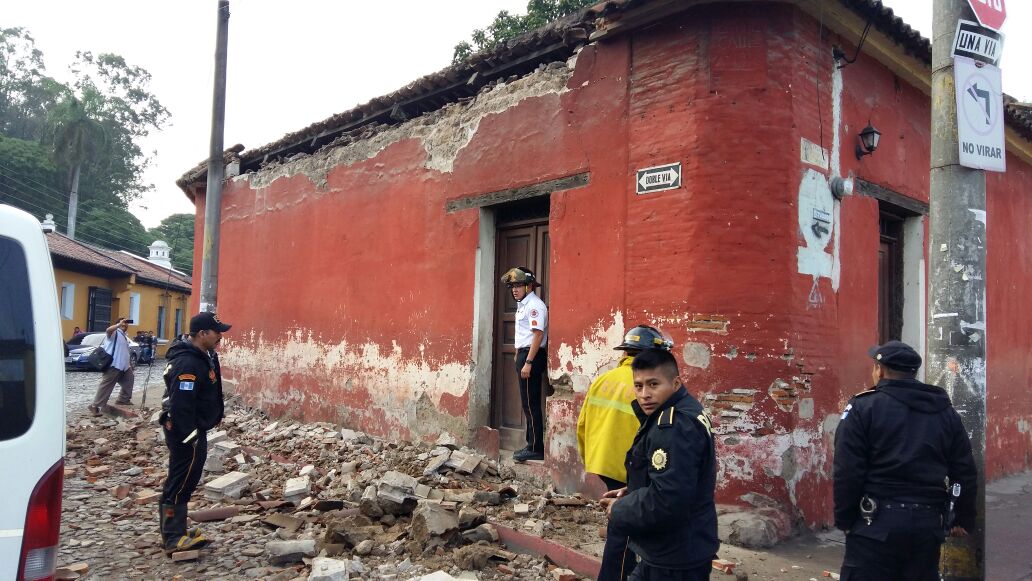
x: 897, y: 355
x: 206, y: 321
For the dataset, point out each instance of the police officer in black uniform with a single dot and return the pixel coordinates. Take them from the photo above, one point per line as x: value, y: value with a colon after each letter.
x: 192, y: 405
x: 667, y: 508
x: 899, y: 448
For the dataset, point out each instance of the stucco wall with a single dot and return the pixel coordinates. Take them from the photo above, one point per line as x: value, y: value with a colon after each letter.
x: 351, y: 288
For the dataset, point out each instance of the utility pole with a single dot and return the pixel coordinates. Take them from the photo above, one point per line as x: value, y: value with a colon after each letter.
x: 216, y: 170
x: 956, y: 338
x: 73, y: 202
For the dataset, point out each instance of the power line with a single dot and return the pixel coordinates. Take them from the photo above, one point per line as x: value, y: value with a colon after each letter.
x: 55, y: 196
x: 61, y: 203
x: 25, y: 177
x: 98, y: 240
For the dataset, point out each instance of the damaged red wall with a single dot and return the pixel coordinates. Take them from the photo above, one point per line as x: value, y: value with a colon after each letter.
x: 351, y: 288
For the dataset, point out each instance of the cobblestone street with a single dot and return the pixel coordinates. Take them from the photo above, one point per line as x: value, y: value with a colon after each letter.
x: 81, y: 386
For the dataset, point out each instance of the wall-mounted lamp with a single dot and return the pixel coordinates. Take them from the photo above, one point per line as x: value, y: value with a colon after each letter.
x: 868, y: 141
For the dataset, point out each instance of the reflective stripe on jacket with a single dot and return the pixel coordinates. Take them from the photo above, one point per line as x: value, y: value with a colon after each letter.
x: 607, y: 424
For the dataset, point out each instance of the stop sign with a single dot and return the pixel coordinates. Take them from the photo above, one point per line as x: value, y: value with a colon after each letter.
x: 990, y: 13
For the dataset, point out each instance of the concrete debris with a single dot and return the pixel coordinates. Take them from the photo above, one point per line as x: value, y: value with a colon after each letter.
x: 432, y: 520
x: 180, y: 556
x: 753, y: 528
x: 227, y: 486
x: 294, y: 500
x: 297, y: 488
x: 326, y: 569
x: 281, y: 552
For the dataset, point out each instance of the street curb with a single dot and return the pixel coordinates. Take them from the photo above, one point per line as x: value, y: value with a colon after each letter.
x: 562, y: 556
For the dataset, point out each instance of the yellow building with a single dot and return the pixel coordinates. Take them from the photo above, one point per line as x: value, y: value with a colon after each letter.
x: 96, y: 286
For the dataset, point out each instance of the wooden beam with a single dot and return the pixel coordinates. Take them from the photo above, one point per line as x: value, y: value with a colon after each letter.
x: 866, y: 188
x: 520, y: 193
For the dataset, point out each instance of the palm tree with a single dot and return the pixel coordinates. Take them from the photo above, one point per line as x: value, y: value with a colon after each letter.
x: 78, y: 139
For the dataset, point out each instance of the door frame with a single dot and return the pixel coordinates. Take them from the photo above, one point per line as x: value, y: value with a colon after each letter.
x: 482, y: 349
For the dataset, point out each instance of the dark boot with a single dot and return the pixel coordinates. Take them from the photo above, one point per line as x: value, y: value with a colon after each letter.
x: 164, y: 509
x: 174, y: 533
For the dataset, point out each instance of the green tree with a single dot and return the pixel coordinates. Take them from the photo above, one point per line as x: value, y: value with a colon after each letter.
x: 506, y: 26
x: 79, y: 139
x: 128, y: 111
x: 27, y: 175
x: 178, y: 231
x: 106, y: 95
x: 112, y: 226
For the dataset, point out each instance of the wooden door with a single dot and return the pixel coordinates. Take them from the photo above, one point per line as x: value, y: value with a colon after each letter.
x: 890, y: 278
x: 98, y: 317
x: 519, y: 244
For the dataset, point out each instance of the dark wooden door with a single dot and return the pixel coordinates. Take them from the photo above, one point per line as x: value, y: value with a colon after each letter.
x: 890, y: 278
x: 99, y: 314
x: 519, y: 244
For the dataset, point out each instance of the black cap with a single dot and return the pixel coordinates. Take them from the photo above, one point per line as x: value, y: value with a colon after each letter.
x: 897, y: 355
x: 205, y: 321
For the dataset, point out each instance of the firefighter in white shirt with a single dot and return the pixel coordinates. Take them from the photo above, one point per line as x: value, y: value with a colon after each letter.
x: 531, y: 339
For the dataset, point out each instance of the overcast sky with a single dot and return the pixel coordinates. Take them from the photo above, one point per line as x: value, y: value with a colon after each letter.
x: 294, y: 63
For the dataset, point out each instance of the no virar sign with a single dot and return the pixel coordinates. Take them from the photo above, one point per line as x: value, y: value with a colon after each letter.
x: 658, y: 178
x: 979, y: 115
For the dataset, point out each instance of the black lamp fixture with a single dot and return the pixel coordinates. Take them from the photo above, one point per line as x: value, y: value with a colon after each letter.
x: 868, y: 141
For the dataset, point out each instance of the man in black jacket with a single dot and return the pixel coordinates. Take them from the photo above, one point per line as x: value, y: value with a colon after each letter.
x: 667, y: 508
x: 898, y: 448
x: 192, y: 405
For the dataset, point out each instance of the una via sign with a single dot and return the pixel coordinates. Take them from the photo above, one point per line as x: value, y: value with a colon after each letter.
x: 981, y: 44
x: 658, y: 178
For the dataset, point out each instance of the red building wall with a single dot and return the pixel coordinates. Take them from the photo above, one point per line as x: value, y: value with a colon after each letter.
x: 1009, y: 366
x: 351, y: 288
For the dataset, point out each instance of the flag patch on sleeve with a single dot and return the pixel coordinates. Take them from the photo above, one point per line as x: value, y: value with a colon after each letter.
x: 186, y: 386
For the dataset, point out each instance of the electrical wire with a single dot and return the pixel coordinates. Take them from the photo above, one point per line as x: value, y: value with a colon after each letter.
x: 104, y: 241
x: 53, y: 197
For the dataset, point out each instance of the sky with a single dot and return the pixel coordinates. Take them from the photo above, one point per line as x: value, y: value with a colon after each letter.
x: 291, y: 64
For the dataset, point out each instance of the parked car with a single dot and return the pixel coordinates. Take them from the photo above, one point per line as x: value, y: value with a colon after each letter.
x: 78, y: 357
x: 32, y: 401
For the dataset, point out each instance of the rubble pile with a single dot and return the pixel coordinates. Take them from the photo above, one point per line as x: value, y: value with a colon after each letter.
x: 285, y: 500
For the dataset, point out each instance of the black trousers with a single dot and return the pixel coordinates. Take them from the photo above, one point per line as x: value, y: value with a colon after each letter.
x: 618, y: 560
x: 530, y: 397
x: 645, y: 572
x: 185, y: 464
x: 900, y: 545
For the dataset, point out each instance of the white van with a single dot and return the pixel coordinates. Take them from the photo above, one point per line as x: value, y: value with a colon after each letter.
x: 32, y: 401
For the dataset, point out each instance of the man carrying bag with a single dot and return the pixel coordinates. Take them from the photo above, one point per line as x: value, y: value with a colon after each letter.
x: 115, y: 354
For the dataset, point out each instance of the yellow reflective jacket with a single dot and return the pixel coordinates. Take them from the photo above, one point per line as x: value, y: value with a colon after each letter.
x: 607, y: 424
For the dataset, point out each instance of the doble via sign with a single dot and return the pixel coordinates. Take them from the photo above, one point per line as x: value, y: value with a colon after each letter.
x: 658, y: 178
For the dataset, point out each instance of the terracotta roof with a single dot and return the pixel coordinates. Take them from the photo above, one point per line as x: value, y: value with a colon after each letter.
x: 149, y: 273
x: 73, y: 253
x: 557, y: 40
x: 76, y: 255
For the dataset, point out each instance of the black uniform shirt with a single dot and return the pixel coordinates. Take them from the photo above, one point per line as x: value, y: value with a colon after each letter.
x: 193, y: 387
x: 899, y: 442
x: 668, y: 511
